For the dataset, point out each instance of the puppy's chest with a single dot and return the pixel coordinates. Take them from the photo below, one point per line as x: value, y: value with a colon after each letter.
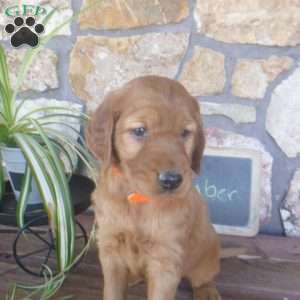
x: 137, y: 233
x: 135, y: 225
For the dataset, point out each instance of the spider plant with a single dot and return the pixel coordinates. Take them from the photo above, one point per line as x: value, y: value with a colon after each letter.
x: 41, y: 144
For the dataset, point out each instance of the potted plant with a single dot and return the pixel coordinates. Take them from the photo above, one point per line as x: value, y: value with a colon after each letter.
x: 15, y: 162
x: 45, y: 154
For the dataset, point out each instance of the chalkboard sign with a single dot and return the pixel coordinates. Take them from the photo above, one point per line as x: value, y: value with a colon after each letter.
x: 230, y: 183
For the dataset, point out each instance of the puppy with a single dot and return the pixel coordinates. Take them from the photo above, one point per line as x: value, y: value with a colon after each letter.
x: 151, y: 221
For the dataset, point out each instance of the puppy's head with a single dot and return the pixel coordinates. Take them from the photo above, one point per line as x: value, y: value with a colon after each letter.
x: 151, y: 129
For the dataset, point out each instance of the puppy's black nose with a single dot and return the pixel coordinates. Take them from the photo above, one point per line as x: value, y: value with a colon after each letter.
x: 169, y: 180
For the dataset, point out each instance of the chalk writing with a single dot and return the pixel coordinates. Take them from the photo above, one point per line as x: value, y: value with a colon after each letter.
x: 230, y: 183
x: 213, y: 193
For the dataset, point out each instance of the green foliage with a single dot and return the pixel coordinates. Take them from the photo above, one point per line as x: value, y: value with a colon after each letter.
x: 41, y: 145
x: 52, y: 283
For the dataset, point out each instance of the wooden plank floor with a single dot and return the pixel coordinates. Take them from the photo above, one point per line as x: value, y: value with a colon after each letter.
x: 270, y: 270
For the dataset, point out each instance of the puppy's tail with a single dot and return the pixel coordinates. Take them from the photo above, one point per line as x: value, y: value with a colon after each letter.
x: 232, y: 252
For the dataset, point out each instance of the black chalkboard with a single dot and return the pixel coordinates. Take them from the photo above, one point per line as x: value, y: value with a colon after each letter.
x: 229, y: 182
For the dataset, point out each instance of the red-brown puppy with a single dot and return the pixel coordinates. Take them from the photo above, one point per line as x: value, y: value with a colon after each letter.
x: 152, y: 223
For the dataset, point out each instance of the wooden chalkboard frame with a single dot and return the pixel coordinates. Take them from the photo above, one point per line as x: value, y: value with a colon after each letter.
x: 252, y: 228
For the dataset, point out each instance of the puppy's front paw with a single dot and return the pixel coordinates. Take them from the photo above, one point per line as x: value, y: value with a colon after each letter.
x: 206, y: 292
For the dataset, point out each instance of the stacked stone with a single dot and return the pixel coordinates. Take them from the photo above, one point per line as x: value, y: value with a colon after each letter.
x: 239, y: 58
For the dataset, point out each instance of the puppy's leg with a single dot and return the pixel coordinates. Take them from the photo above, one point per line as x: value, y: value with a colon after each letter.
x: 115, y: 279
x: 202, y: 282
x: 162, y: 283
x: 201, y: 279
x: 203, y: 274
x: 206, y: 292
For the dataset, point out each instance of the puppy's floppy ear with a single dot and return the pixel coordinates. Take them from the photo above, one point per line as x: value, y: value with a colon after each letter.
x: 100, y: 131
x: 198, y: 149
x: 199, y: 142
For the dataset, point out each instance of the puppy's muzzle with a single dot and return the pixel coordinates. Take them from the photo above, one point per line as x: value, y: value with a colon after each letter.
x: 169, y: 180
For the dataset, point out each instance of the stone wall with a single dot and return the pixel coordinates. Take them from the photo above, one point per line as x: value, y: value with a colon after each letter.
x: 240, y: 58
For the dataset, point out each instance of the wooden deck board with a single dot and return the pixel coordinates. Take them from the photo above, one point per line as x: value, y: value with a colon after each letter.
x: 269, y: 271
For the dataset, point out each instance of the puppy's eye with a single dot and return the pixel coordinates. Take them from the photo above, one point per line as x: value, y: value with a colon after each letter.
x: 139, y: 132
x: 185, y: 133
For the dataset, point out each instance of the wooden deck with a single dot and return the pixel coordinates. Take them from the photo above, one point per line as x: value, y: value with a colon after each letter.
x: 269, y: 271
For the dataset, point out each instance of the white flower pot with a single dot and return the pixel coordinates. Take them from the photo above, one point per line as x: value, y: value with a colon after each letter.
x: 15, y: 165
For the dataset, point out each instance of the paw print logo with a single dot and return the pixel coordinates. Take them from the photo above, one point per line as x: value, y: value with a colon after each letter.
x: 24, y: 32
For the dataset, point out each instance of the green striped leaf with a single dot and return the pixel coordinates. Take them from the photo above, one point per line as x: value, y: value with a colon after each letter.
x: 4, y: 74
x: 38, y: 164
x: 69, y: 156
x: 5, y: 87
x: 65, y: 215
x: 55, y: 109
x: 22, y: 201
x: 80, y: 150
x: 54, y: 192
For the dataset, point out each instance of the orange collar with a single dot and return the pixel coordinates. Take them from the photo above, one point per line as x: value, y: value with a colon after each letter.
x: 138, y: 198
x: 132, y: 197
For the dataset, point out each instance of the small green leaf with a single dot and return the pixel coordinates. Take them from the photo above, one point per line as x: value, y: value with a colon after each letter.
x: 12, y: 292
x: 5, y: 87
x: 4, y: 134
x: 4, y: 73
